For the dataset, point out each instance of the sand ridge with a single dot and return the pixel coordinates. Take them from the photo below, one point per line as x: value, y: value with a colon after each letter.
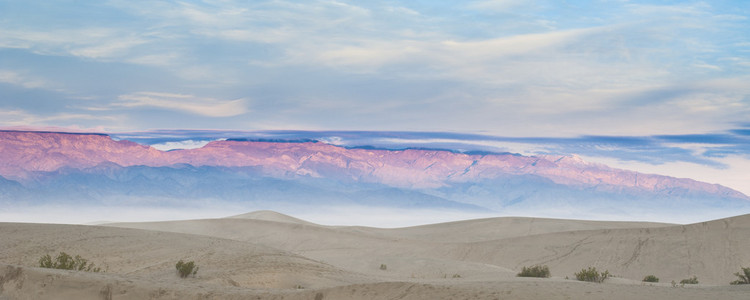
x: 267, y: 255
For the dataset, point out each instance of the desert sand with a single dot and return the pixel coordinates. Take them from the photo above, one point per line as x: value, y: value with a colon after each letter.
x: 266, y: 255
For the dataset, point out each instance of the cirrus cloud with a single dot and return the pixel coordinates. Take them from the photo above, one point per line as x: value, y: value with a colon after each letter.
x: 209, y: 107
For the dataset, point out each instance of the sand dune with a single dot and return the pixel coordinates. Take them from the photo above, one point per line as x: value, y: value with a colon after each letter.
x: 267, y: 215
x: 712, y: 251
x: 267, y: 255
x: 498, y: 228
x: 152, y: 255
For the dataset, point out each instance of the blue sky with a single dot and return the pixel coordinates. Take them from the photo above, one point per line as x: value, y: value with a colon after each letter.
x: 672, y: 77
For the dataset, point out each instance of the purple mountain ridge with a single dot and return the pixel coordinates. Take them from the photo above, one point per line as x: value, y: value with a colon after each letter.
x: 488, y: 180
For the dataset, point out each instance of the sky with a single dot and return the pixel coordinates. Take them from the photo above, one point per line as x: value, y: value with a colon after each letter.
x: 656, y: 86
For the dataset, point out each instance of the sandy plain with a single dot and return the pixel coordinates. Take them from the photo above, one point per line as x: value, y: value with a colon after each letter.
x: 266, y: 255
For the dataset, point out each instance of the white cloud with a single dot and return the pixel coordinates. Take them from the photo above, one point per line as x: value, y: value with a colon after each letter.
x: 497, y: 5
x: 186, y: 144
x: 570, y: 81
x: 517, y: 44
x: 19, y: 79
x: 209, y: 107
x: 15, y: 118
x: 270, y: 35
x: 108, y: 47
x: 470, y: 60
x: 402, y: 10
x: 707, y: 66
x: 74, y: 116
x: 528, y: 149
x: 29, y: 38
x: 19, y: 117
x: 160, y: 59
x: 97, y: 43
x: 662, y: 10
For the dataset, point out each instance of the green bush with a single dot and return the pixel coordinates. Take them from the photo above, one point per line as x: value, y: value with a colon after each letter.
x: 592, y: 275
x: 743, y: 278
x: 535, y: 271
x: 650, y: 278
x: 692, y: 280
x: 186, y: 268
x: 64, y: 261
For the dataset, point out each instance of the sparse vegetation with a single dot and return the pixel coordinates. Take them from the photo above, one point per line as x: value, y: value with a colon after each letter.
x: 743, y: 277
x: 64, y: 261
x: 592, y: 275
x: 535, y: 271
x: 650, y: 278
x: 383, y: 267
x: 456, y: 276
x: 186, y: 269
x: 691, y: 280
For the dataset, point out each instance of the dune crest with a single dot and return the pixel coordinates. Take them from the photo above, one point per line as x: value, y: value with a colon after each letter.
x: 268, y: 215
x: 268, y: 255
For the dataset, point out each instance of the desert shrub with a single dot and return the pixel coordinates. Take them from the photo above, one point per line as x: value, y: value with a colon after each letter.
x: 186, y: 268
x: 742, y: 278
x: 535, y: 271
x: 383, y: 267
x: 650, y: 278
x: 64, y: 261
x: 692, y: 280
x: 592, y: 275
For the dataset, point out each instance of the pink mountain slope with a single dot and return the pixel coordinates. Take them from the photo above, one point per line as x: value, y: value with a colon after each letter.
x: 26, y: 152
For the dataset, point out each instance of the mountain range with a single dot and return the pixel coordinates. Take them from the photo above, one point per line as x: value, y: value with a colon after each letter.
x: 81, y: 168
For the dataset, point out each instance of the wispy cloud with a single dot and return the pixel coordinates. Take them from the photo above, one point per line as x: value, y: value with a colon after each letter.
x: 16, y: 118
x: 472, y: 60
x: 573, y: 68
x: 496, y: 5
x: 184, y: 144
x: 24, y: 118
x: 20, y: 79
x: 112, y: 47
x: 209, y: 107
x: 97, y: 43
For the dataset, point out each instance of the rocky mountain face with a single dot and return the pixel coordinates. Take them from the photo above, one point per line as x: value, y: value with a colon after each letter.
x: 37, y: 166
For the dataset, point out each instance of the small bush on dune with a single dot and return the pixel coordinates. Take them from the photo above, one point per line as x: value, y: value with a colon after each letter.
x: 186, y: 269
x: 651, y: 278
x: 692, y: 280
x: 64, y: 261
x: 592, y: 275
x: 744, y: 277
x: 535, y: 271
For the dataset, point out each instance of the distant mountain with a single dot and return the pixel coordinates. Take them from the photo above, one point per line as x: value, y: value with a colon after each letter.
x: 43, y: 167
